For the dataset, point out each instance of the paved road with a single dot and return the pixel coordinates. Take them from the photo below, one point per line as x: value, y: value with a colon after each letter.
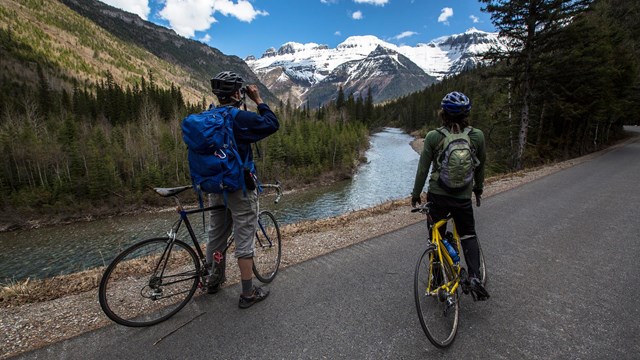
x: 562, y: 255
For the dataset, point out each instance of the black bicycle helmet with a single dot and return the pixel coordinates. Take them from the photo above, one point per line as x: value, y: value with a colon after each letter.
x: 226, y: 83
x: 456, y: 103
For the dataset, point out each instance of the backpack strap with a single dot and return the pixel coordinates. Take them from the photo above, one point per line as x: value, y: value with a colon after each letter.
x: 476, y: 161
x: 444, y: 132
x: 234, y: 112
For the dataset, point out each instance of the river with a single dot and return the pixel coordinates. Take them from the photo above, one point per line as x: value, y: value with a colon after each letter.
x: 387, y: 175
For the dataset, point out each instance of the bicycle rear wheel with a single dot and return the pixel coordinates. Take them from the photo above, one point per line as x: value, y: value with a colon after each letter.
x: 266, y: 258
x: 483, y: 268
x: 149, y: 282
x: 438, y: 310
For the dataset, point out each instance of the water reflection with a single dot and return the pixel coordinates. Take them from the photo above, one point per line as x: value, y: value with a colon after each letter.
x: 387, y: 175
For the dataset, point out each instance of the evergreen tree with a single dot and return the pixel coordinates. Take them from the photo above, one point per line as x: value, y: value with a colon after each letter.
x: 368, y: 107
x: 527, y: 24
x: 340, y: 99
x: 45, y: 101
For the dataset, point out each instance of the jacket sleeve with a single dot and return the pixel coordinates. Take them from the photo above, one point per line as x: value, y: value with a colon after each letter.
x: 426, y: 158
x: 481, y: 154
x: 250, y: 127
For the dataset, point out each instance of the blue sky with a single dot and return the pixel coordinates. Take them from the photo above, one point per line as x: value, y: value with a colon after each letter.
x: 249, y: 27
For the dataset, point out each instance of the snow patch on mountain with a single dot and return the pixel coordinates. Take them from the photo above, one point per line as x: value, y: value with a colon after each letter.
x: 311, y: 63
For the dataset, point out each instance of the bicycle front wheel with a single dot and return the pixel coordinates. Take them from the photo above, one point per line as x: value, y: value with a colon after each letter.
x: 438, y: 310
x: 267, y: 253
x: 149, y: 282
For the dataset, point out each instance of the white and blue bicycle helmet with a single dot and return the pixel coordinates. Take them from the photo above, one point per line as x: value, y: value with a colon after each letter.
x: 456, y: 103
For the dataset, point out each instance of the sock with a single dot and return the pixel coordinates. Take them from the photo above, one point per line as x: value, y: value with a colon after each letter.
x: 247, y: 287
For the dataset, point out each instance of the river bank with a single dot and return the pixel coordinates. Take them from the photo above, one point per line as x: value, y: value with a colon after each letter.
x: 28, y: 220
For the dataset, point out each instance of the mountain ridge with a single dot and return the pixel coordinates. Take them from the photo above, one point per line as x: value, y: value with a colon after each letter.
x: 100, y: 39
x: 300, y: 68
x: 201, y: 61
x: 78, y: 43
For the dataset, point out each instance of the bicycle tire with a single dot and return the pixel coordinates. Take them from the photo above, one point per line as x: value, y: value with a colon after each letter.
x: 268, y: 251
x: 132, y: 294
x: 439, y: 319
x: 483, y: 267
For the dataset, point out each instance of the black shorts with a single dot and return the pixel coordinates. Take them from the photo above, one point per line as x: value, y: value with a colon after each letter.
x: 460, y: 209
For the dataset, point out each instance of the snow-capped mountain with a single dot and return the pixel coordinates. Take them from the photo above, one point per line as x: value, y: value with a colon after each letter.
x: 301, y: 72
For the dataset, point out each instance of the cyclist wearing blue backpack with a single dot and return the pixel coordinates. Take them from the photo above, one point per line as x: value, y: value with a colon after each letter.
x: 457, y: 153
x: 236, y: 190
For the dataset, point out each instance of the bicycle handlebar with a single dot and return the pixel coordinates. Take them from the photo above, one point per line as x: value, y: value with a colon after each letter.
x: 425, y: 208
x: 167, y: 192
x: 278, y: 189
x: 422, y: 208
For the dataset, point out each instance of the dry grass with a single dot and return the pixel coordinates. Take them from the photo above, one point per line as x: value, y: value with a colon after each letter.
x: 31, y: 291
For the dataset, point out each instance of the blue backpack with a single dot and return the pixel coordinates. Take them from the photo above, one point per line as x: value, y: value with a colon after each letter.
x: 214, y: 162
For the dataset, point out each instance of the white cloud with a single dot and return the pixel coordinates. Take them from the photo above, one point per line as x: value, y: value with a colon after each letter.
x: 405, y: 34
x: 474, y: 18
x: 372, y: 2
x: 206, y: 38
x: 138, y: 7
x: 337, y: 33
x: 445, y: 15
x: 357, y: 15
x: 329, y: 1
x: 188, y: 16
x: 243, y: 10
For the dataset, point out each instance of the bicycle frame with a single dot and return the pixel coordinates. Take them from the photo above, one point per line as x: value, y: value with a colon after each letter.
x: 443, y: 255
x: 184, y: 217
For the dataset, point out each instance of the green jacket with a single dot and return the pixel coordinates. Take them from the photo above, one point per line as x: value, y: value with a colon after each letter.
x: 428, y: 157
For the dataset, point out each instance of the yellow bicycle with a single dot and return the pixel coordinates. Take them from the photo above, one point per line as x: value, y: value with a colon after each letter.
x: 438, y: 279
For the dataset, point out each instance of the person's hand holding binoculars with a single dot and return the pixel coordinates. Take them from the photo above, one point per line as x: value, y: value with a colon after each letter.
x: 253, y: 93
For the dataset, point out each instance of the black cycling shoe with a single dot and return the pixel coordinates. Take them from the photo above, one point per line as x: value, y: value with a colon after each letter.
x: 478, y: 292
x: 258, y: 294
x: 215, y: 286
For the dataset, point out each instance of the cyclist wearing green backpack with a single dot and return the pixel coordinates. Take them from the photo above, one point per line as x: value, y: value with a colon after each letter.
x: 456, y: 153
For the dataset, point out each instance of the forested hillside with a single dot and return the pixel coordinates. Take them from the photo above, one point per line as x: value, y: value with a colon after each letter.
x: 565, y: 89
x: 75, y: 145
x: 85, y: 135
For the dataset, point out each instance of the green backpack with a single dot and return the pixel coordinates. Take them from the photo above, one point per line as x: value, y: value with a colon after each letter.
x: 456, y: 160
